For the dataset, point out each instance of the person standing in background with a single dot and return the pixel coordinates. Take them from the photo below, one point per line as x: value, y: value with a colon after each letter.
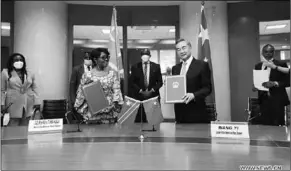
x: 18, y: 86
x: 76, y: 76
x: 272, y: 102
x: 145, y: 81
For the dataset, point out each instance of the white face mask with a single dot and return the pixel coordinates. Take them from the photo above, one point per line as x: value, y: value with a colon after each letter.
x: 145, y: 58
x: 87, y: 62
x: 18, y: 64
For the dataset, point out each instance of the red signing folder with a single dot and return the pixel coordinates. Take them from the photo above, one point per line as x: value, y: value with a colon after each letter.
x: 95, y: 97
x: 175, y: 88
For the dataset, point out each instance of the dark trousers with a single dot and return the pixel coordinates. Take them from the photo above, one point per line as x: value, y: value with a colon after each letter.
x: 141, y: 116
x: 272, y: 112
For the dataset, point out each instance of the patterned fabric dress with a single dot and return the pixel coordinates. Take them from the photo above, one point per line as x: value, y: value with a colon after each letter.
x: 111, y: 88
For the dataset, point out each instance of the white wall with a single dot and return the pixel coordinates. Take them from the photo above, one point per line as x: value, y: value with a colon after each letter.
x: 41, y: 36
x: 216, y: 16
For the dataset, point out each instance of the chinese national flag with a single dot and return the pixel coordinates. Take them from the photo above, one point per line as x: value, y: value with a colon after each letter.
x: 204, y: 49
x: 153, y: 111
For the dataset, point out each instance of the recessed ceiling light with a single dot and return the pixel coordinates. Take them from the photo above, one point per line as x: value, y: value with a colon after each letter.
x: 147, y: 41
x: 172, y: 30
x: 77, y: 42
x: 106, y: 31
x: 5, y: 26
x: 95, y: 46
x: 168, y: 42
x: 278, y: 26
x: 100, y: 41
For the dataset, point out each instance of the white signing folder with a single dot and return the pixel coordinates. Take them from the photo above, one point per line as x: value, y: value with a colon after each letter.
x: 259, y: 77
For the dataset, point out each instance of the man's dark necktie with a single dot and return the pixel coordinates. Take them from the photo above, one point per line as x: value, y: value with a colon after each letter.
x: 145, y: 74
x: 88, y: 67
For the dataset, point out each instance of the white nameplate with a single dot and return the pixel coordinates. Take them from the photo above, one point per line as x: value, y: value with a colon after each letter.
x: 45, y: 126
x: 230, y: 129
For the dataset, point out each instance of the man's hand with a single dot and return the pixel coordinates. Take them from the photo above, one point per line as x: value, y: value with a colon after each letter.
x: 188, y: 97
x: 269, y: 64
x: 147, y: 93
x: 254, y: 89
x: 269, y: 84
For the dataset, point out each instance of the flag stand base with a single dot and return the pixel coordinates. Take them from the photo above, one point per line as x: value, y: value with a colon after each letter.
x: 141, y: 137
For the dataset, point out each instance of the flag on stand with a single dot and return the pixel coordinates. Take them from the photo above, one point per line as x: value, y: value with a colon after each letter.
x: 129, y: 110
x: 204, y: 48
x: 153, y: 111
x: 114, y: 47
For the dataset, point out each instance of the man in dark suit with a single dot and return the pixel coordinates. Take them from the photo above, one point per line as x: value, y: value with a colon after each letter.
x: 145, y: 81
x: 272, y: 102
x: 198, y: 80
x: 76, y: 76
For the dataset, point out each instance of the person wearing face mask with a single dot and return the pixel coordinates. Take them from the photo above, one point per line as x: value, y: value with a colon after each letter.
x: 145, y: 81
x: 111, y: 87
x: 272, y: 102
x: 76, y: 76
x: 18, y: 87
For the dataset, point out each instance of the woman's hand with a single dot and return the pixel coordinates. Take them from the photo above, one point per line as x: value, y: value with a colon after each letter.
x: 117, y: 107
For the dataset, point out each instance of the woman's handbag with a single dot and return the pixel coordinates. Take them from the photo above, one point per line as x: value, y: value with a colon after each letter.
x: 5, y: 116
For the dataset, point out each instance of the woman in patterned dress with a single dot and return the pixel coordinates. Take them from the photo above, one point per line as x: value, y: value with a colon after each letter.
x: 111, y: 87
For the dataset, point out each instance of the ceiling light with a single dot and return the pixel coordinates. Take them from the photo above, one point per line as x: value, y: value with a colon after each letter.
x: 284, y: 46
x: 279, y: 26
x: 172, y: 30
x: 100, y: 41
x: 168, y: 42
x: 5, y: 27
x: 95, y: 46
x: 78, y: 42
x: 147, y: 41
x: 105, y: 31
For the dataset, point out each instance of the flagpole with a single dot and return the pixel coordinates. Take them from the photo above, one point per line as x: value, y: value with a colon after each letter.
x: 141, y: 137
x: 115, y: 37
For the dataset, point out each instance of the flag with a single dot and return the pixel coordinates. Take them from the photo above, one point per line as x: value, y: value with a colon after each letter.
x: 128, y: 111
x: 153, y: 111
x: 204, y: 48
x: 114, y: 47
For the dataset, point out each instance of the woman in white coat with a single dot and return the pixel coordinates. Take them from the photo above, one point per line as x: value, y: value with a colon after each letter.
x: 19, y: 88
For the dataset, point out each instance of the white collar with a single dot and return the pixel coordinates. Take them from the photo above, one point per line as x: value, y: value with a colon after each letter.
x: 189, y: 60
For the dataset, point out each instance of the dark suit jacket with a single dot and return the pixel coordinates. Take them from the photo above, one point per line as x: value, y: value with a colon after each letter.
x: 136, y: 82
x: 75, y: 80
x: 278, y: 93
x: 198, y: 80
